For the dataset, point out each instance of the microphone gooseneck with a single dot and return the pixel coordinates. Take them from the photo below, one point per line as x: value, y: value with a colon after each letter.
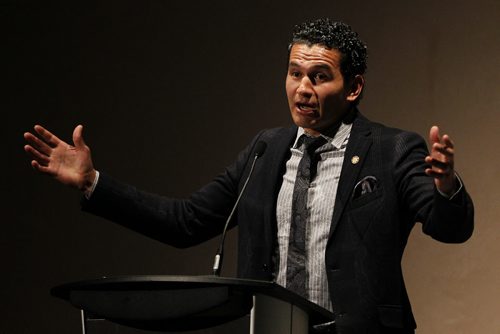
x: 260, y: 148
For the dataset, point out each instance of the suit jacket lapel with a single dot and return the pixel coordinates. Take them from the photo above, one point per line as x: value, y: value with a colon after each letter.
x: 354, y: 158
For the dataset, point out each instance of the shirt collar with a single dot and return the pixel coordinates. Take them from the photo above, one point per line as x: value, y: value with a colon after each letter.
x: 338, y: 139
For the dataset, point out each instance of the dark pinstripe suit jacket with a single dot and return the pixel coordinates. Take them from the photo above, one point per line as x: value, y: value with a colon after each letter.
x: 368, y: 232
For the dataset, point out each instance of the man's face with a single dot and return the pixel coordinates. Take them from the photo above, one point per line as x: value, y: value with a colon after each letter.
x: 316, y: 91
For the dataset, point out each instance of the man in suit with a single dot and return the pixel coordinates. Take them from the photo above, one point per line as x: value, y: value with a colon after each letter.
x: 330, y: 205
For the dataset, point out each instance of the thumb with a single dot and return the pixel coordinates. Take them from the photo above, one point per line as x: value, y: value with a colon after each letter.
x: 78, y: 137
x: 434, y: 136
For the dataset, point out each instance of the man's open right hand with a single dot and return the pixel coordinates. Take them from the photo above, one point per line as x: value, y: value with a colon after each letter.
x: 70, y: 165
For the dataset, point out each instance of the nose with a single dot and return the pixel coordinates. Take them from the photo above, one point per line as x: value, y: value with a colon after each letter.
x: 306, y: 86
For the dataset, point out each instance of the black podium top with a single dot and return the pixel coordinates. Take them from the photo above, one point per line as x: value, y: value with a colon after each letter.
x: 177, y: 303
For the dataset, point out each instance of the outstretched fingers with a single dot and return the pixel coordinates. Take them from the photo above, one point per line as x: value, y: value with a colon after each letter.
x: 42, y: 146
x: 438, y: 170
x: 36, y: 155
x: 37, y: 144
x: 42, y: 168
x: 47, y: 136
x: 441, y: 164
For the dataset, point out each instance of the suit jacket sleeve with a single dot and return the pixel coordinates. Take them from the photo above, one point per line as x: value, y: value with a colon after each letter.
x: 450, y: 221
x: 178, y: 222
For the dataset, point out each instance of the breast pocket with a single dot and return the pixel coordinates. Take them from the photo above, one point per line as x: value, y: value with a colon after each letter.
x: 365, y: 199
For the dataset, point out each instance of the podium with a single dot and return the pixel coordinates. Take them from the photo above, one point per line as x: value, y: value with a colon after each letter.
x: 185, y: 303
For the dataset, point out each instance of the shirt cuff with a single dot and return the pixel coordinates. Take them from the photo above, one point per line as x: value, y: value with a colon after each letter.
x: 89, y: 192
x: 460, y: 186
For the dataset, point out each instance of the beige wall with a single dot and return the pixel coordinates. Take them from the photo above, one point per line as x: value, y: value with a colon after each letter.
x: 446, y: 72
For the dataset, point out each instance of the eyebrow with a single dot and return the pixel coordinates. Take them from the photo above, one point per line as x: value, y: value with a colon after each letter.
x: 316, y: 66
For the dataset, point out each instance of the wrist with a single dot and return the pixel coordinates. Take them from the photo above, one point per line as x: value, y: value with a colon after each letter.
x: 88, y: 181
x: 450, y: 188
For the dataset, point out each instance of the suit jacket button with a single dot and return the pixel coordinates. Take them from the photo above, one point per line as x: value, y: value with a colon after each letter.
x: 265, y: 267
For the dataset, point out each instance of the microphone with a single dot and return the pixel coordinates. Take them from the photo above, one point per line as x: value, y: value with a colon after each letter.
x: 260, y: 148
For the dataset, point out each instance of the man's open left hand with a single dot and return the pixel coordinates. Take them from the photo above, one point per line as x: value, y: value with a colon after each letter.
x: 441, y: 159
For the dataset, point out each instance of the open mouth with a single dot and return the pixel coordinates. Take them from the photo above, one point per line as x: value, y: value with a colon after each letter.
x: 306, y: 109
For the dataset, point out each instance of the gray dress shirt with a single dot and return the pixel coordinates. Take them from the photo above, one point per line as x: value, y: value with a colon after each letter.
x: 320, y: 201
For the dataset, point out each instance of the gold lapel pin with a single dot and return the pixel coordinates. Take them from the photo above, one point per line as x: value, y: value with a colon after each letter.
x: 355, y: 159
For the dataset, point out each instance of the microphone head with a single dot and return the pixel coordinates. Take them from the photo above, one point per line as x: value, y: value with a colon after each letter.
x: 260, y: 148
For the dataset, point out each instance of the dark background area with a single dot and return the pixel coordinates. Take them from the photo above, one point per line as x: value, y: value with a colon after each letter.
x: 169, y: 92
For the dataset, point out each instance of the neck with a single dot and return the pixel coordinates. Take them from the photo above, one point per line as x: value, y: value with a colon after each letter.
x: 331, y: 130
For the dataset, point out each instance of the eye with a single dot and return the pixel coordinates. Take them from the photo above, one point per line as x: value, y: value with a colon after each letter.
x: 295, y: 74
x: 320, y: 76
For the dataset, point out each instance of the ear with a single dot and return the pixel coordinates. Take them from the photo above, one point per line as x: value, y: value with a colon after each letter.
x: 356, y: 88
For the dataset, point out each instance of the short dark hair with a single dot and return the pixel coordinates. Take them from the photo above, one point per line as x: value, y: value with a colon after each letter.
x: 334, y: 35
